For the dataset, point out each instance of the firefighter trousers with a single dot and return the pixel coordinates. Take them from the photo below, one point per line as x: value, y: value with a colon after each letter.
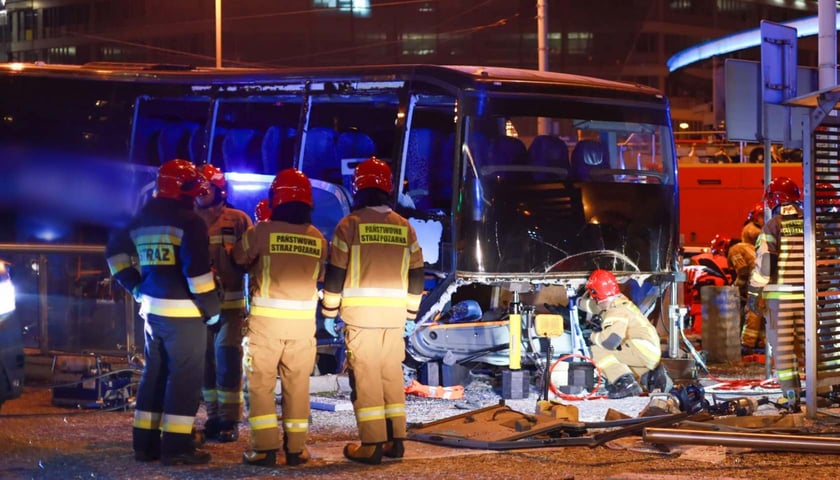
x: 222, y: 392
x: 293, y: 360
x: 636, y: 356
x: 786, y: 334
x: 169, y: 391
x: 375, y: 357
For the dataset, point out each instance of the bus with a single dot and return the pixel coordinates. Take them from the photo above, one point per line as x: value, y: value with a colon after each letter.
x: 519, y: 183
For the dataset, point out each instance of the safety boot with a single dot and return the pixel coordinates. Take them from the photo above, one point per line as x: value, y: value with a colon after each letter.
x: 146, y: 456
x: 195, y: 457
x: 657, y: 379
x: 228, y: 432
x: 264, y: 458
x: 369, y: 453
x: 294, y: 459
x: 394, y: 448
x: 212, y: 427
x: 624, y: 386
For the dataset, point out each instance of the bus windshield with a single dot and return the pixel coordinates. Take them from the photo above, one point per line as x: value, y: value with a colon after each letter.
x: 575, y: 186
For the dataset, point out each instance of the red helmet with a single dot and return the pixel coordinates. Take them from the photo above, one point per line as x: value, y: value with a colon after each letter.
x: 756, y: 215
x: 719, y: 244
x: 262, y: 212
x: 214, y: 175
x: 827, y: 194
x: 602, y: 285
x: 290, y: 185
x: 180, y: 178
x: 372, y: 173
x: 781, y: 190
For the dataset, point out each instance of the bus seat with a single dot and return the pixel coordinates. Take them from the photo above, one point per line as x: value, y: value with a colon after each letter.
x: 353, y: 147
x: 506, y: 152
x: 320, y: 158
x: 552, y: 152
x: 174, y: 141
x: 277, y: 148
x: 588, y: 155
x: 239, y: 150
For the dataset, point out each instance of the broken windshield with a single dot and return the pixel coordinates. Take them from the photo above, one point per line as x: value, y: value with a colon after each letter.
x: 567, y: 192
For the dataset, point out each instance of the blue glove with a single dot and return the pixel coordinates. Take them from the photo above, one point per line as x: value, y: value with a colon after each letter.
x: 409, y: 327
x: 213, y: 320
x: 331, y: 327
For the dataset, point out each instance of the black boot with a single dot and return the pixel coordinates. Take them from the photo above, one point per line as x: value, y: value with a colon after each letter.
x: 294, y: 459
x: 212, y: 427
x: 394, y: 448
x: 624, y: 386
x: 657, y: 379
x: 228, y: 432
x: 369, y: 453
x: 265, y: 458
x: 195, y: 457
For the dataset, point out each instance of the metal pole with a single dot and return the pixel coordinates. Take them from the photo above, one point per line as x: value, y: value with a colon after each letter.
x: 827, y: 43
x: 810, y: 292
x: 543, y: 126
x: 763, y: 441
x: 218, y: 33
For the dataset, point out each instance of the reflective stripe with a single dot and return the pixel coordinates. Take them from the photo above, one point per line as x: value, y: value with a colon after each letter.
x: 373, y: 302
x: 295, y: 425
x: 787, y: 374
x: 376, y: 292
x: 147, y: 235
x: 647, y: 349
x: 231, y: 398
x: 355, y: 268
x: 185, y: 308
x: 178, y: 423
x: 370, y: 414
x: 331, y: 300
x: 394, y: 410
x: 263, y: 422
x: 413, y: 302
x: 233, y: 304
x: 339, y: 245
x: 209, y: 396
x: 202, y: 283
x: 147, y: 420
x: 284, y: 304
x: 119, y: 262
x: 607, y: 362
x: 221, y: 239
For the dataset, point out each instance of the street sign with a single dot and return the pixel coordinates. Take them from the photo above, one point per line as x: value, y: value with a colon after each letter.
x: 778, y: 62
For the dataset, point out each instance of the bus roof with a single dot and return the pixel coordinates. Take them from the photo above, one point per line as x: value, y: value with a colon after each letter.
x: 462, y: 77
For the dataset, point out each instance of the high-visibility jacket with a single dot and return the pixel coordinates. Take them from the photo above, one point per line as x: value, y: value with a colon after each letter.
x: 170, y: 245
x: 375, y: 277
x: 225, y: 225
x: 780, y: 256
x: 290, y: 260
x: 623, y: 324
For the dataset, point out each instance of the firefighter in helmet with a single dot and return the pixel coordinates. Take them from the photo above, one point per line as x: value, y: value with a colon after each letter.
x: 287, y: 256
x: 262, y: 212
x: 625, y: 345
x: 779, y: 278
x: 222, y: 391
x: 178, y: 298
x: 741, y: 259
x: 374, y: 280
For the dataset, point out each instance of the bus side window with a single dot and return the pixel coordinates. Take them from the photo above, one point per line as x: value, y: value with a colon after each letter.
x: 588, y: 155
x: 422, y: 158
x: 353, y: 147
x: 240, y: 150
x: 174, y: 141
x: 320, y: 159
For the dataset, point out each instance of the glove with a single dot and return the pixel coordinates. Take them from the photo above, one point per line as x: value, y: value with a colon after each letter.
x: 331, y: 328
x: 410, y: 325
x: 595, y: 322
x: 214, y: 320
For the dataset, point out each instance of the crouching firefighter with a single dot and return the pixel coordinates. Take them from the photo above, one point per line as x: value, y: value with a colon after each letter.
x: 286, y: 257
x: 625, y: 345
x: 178, y: 298
x: 222, y: 391
x: 375, y: 280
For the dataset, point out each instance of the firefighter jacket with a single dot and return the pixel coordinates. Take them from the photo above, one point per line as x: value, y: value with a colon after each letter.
x: 170, y: 244
x: 375, y: 275
x: 286, y: 260
x: 742, y: 259
x: 624, y: 326
x: 225, y: 225
x: 779, y: 257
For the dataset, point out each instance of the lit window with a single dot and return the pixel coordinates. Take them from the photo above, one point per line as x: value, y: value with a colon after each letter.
x: 579, y: 42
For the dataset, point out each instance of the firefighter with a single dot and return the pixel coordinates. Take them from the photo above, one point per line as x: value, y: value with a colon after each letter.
x: 625, y: 345
x: 262, y: 212
x: 287, y: 256
x: 374, y: 280
x: 707, y: 268
x: 222, y: 391
x: 741, y: 259
x: 779, y: 278
x: 178, y: 298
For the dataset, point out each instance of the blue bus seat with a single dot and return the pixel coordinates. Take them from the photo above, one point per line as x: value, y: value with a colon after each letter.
x: 588, y: 155
x: 174, y: 141
x: 240, y: 150
x: 320, y: 158
x: 277, y: 149
x: 551, y: 152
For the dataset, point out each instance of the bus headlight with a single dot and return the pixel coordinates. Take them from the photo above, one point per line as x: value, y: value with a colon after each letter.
x: 7, y: 292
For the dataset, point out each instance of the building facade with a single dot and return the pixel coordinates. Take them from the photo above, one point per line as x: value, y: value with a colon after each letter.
x: 626, y: 40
